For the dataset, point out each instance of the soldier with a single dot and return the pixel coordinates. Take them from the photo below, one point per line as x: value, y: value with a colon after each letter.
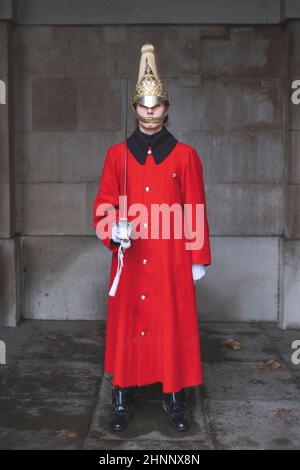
x: 152, y: 329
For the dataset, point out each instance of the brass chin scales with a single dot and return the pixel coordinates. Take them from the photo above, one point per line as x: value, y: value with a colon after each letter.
x: 151, y: 119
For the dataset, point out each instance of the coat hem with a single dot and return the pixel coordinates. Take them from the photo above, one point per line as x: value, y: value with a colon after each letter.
x: 153, y: 381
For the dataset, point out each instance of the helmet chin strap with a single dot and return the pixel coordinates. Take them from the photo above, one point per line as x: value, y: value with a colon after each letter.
x: 150, y: 119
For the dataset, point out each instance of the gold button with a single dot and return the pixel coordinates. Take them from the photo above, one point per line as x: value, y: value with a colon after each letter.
x: 144, y: 261
x: 143, y: 297
x: 142, y: 333
x: 147, y: 188
x: 145, y: 225
x: 174, y: 175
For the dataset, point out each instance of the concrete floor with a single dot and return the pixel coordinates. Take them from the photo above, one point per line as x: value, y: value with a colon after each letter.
x: 53, y: 394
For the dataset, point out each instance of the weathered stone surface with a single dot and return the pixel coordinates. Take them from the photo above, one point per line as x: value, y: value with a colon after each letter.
x: 235, y: 209
x: 291, y: 292
x: 10, y: 299
x: 214, y: 11
x: 62, y: 157
x: 54, y: 104
x: 293, y: 211
x: 65, y: 278
x: 248, y: 263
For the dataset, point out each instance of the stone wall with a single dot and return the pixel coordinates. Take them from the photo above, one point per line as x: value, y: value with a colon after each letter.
x: 229, y: 78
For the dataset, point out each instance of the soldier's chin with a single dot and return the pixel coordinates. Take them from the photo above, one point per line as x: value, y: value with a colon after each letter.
x: 150, y: 120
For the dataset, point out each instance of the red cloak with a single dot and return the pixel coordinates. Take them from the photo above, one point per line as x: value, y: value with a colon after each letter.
x: 152, y: 330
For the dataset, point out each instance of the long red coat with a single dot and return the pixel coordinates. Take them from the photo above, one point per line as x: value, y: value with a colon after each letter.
x: 152, y: 329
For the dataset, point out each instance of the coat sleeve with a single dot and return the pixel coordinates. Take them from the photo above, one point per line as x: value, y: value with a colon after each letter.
x: 107, y: 194
x: 193, y: 192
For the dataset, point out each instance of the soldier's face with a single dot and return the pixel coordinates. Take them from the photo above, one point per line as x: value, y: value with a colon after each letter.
x: 145, y: 112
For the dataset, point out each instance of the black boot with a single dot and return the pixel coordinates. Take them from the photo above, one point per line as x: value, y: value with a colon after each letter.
x: 174, y: 405
x: 120, y: 413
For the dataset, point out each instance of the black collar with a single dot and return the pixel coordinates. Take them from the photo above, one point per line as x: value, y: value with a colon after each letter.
x: 161, y: 143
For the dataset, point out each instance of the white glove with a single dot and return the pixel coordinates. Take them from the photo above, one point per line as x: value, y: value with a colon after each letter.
x: 118, y: 228
x: 198, y: 271
x: 115, y: 233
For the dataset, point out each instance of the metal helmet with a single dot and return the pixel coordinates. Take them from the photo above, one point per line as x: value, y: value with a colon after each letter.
x: 149, y: 90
